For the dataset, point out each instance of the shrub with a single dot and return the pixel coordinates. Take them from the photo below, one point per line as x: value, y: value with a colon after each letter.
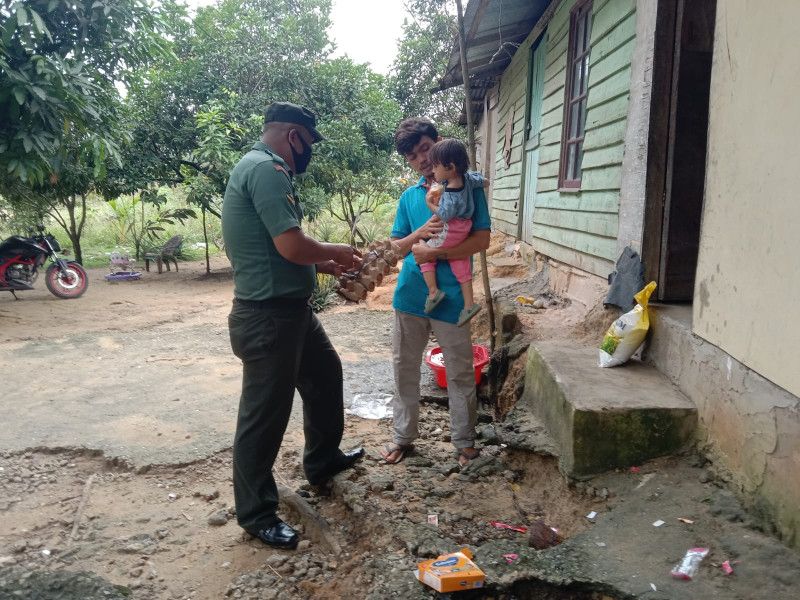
x: 323, y: 292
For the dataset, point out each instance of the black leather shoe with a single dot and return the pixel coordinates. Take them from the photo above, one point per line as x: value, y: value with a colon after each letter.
x: 346, y: 461
x: 349, y: 459
x: 279, y: 535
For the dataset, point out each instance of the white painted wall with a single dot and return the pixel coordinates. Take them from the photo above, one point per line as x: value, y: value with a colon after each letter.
x: 747, y: 292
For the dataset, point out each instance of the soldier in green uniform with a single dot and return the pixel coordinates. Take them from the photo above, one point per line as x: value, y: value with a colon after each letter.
x: 273, y: 330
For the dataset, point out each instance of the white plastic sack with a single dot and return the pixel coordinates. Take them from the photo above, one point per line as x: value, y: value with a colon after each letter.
x: 627, y: 333
x: 370, y: 406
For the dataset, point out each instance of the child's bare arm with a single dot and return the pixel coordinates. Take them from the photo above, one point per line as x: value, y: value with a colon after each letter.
x: 433, y: 203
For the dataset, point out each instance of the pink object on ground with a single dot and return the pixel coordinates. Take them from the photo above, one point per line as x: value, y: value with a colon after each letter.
x: 728, y: 568
x: 511, y: 527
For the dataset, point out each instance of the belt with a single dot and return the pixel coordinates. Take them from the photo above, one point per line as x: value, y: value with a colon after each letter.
x: 273, y: 302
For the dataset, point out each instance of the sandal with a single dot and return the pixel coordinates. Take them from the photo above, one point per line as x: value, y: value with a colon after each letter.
x: 469, y: 457
x: 391, y: 448
x: 431, y: 303
x: 467, y: 314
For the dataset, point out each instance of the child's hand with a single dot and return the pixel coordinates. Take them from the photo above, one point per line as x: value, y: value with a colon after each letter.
x: 486, y: 183
x: 434, y: 194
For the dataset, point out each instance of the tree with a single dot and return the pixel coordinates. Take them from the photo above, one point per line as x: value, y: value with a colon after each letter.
x: 241, y: 53
x: 355, y: 167
x: 59, y: 60
x: 429, y: 33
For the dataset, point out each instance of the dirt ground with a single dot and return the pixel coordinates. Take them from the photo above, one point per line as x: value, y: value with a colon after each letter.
x: 115, y: 461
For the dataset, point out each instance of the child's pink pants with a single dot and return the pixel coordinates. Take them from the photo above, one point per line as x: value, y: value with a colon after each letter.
x: 457, y: 232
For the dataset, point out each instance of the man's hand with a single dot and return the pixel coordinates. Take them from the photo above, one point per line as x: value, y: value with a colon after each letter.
x: 433, y: 226
x: 346, y: 256
x: 331, y: 268
x: 423, y: 254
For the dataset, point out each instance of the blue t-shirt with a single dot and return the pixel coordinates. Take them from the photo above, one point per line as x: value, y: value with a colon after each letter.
x: 411, y: 291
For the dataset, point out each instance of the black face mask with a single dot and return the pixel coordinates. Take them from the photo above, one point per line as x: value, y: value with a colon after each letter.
x: 301, y: 160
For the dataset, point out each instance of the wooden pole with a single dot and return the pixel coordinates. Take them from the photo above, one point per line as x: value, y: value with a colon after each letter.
x: 462, y: 42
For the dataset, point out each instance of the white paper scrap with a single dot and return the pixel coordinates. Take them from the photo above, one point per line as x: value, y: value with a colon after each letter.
x: 653, y: 585
x: 658, y: 523
x: 591, y: 515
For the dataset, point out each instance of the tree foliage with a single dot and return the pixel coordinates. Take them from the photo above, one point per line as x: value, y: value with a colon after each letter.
x: 429, y: 33
x: 355, y: 167
x: 237, y: 56
x: 59, y: 60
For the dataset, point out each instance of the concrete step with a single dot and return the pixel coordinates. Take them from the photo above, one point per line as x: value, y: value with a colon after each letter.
x: 603, y: 419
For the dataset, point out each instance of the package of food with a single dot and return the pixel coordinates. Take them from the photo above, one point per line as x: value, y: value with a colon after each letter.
x: 627, y: 333
x: 435, y: 191
x: 451, y: 572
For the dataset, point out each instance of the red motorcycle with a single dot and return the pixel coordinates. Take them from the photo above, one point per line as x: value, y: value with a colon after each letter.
x: 21, y: 257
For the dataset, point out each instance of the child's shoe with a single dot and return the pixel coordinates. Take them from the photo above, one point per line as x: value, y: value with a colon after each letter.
x: 431, y: 303
x: 467, y: 314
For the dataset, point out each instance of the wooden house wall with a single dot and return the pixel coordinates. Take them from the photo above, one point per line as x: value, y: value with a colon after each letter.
x: 576, y: 227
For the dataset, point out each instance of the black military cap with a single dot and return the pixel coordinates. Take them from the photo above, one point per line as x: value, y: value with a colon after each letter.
x: 286, y: 112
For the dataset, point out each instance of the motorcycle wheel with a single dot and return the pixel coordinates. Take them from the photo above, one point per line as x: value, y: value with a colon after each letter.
x: 71, y: 284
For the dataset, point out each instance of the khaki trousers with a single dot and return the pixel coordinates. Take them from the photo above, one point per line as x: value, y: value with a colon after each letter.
x: 410, y: 337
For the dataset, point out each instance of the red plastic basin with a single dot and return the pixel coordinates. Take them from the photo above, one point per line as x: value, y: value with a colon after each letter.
x: 435, y: 360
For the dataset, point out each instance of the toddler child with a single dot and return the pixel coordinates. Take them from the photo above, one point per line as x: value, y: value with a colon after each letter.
x: 452, y: 202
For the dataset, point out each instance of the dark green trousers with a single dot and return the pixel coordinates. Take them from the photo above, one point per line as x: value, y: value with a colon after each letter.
x: 283, y: 347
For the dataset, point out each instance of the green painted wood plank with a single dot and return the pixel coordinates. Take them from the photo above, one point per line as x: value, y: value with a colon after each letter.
x: 603, y: 178
x: 507, y: 208
x: 602, y: 224
x: 504, y: 227
x: 552, y: 135
x: 586, y: 262
x: 605, y: 135
x: 598, y: 5
x: 549, y: 153
x: 549, y: 169
x: 551, y: 103
x: 506, y: 183
x: 586, y: 200
x: 599, y: 114
x: 558, y: 65
x: 555, y: 85
x: 510, y: 219
x: 553, y: 118
x: 502, y: 194
x: 561, y: 15
x: 617, y: 37
x: 612, y: 64
x: 605, y: 72
x: 602, y: 157
x: 616, y: 86
x: 502, y: 173
x: 558, y: 46
x: 546, y: 184
x: 587, y: 243
x: 508, y: 213
x: 609, y: 16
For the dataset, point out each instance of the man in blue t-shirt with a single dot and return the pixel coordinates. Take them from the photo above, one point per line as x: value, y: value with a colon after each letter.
x: 413, y: 224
